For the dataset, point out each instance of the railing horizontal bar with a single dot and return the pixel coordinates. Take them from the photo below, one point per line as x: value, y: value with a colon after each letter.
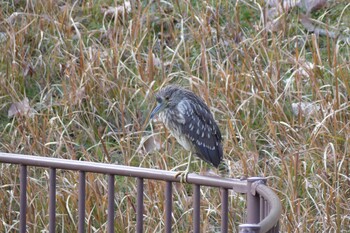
x: 110, y: 208
x: 168, y: 206
x: 52, y: 201
x: 23, y: 199
x: 238, y: 185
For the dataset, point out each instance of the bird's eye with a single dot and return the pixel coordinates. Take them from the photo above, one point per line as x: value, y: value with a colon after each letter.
x: 167, y: 97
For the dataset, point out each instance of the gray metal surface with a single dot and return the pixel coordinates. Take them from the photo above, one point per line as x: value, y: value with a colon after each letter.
x: 146, y: 173
x: 274, y: 207
x: 168, y: 206
x: 81, y: 202
x: 110, y: 216
x: 139, y: 206
x: 23, y: 198
x: 224, y: 210
x: 52, y: 200
x: 196, y: 208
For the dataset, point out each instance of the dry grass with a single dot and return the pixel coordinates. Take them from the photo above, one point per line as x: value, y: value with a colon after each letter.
x: 90, y: 76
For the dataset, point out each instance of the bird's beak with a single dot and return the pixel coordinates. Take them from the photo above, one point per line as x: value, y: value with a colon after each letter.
x: 156, y: 110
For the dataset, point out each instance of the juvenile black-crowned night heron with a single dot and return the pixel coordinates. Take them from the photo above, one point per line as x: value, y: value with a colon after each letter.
x: 190, y: 121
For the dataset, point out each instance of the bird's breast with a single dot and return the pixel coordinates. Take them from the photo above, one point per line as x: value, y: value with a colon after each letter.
x: 172, y: 121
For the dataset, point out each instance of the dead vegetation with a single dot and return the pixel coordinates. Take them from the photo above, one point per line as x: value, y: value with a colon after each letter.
x: 77, y: 82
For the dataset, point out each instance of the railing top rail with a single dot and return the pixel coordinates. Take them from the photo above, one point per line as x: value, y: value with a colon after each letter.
x: 275, y: 207
x: 147, y: 173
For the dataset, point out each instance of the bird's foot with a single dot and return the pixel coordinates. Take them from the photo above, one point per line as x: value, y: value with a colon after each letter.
x: 182, y: 175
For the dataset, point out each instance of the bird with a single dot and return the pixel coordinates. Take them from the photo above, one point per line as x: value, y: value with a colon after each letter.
x: 190, y: 121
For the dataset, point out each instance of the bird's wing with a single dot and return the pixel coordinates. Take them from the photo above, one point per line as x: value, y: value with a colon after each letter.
x: 200, y: 127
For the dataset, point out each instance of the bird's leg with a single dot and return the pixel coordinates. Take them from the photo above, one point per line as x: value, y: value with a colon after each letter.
x: 183, y: 174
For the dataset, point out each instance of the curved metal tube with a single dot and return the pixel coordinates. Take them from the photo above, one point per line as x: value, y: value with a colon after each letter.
x: 274, y: 205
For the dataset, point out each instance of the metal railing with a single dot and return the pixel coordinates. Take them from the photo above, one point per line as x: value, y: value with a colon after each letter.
x: 263, y: 206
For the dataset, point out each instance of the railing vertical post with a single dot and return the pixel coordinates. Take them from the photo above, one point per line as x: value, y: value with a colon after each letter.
x: 81, y: 202
x: 224, y: 210
x: 253, y: 207
x: 196, y: 208
x: 168, y: 206
x: 266, y: 208
x: 52, y: 201
x: 139, y: 206
x: 23, y: 198
x: 253, y: 201
x: 110, y: 208
x: 262, y: 208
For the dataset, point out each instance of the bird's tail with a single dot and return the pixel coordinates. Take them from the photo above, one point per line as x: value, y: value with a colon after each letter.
x: 224, y: 169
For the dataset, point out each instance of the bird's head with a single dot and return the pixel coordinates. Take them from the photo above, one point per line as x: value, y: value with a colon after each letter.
x: 167, y: 98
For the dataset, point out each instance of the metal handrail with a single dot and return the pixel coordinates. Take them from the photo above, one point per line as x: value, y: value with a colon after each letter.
x: 253, y: 188
x: 121, y: 170
x: 275, y: 208
x: 264, y: 208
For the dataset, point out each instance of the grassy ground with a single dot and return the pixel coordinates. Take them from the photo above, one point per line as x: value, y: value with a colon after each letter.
x: 280, y: 97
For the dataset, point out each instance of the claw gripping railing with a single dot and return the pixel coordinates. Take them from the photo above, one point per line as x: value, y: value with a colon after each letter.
x: 263, y: 205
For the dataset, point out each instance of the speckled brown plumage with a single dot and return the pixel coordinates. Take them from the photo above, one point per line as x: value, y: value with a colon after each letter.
x: 190, y: 121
